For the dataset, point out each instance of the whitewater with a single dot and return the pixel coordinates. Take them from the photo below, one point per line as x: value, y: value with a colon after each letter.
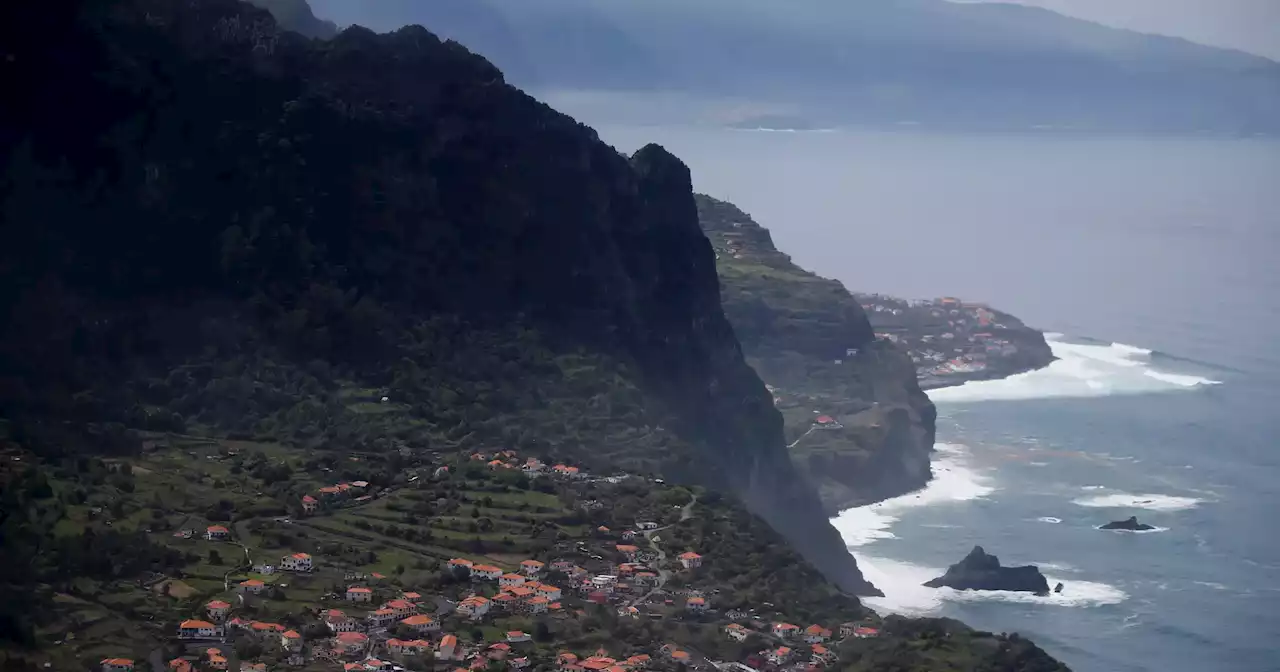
x: 1029, y: 467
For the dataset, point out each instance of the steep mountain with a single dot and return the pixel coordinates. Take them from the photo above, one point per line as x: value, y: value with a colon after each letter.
x: 930, y: 61
x: 809, y: 338
x: 298, y: 16
x: 229, y: 229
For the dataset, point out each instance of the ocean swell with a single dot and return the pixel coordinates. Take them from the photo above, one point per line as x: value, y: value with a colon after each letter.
x: 1081, y: 370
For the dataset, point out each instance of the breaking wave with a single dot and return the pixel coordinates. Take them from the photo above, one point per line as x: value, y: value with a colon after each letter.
x: 1081, y: 370
x: 1151, y: 502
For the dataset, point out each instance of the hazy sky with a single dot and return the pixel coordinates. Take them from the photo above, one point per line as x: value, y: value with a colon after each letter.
x: 1249, y: 25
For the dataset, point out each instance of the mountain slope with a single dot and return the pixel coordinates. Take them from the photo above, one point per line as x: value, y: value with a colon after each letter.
x: 233, y: 230
x: 810, y: 339
x: 964, y: 64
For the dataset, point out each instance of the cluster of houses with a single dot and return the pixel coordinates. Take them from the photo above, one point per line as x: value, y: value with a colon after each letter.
x: 517, y: 592
x: 355, y: 491
x: 532, y: 466
x: 792, y: 639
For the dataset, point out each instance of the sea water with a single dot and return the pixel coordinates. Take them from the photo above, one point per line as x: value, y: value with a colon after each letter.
x: 1154, y: 262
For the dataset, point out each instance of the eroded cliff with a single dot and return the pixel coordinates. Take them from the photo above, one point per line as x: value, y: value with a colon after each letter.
x: 858, y: 425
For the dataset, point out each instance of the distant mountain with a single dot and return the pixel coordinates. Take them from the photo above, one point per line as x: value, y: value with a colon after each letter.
x: 928, y: 61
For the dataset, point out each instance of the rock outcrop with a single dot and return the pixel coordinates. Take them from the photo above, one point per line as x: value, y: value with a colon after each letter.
x: 1131, y: 523
x: 981, y: 571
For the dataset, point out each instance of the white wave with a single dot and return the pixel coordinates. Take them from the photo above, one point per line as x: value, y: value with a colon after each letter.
x: 952, y: 481
x: 1081, y: 370
x: 1152, y: 502
x: 1093, y: 487
x: 1050, y: 519
x: 904, y: 592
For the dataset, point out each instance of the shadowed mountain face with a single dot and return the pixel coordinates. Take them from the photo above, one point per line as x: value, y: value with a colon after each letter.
x: 930, y: 61
x: 223, y: 223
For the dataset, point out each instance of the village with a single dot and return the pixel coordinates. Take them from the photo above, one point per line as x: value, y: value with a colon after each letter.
x: 490, y: 610
x: 949, y: 340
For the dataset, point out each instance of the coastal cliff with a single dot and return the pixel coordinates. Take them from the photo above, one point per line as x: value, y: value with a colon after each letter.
x: 383, y: 212
x: 848, y: 371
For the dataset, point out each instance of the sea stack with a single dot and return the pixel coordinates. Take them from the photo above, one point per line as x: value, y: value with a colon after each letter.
x: 1130, y: 524
x: 981, y: 571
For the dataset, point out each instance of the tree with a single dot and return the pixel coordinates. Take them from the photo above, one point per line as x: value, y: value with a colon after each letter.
x: 215, y: 558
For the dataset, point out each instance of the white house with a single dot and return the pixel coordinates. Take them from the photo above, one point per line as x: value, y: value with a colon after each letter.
x: 816, y: 634
x: 216, y: 533
x: 785, y: 630
x: 552, y: 593
x: 690, y: 560
x: 486, y: 572
x: 779, y: 655
x: 359, y: 594
x: 696, y: 604
x: 511, y: 580
x: 217, y: 609
x: 516, y: 636
x: 736, y: 632
x: 290, y: 640
x: 474, y: 607
x: 252, y: 586
x: 339, y: 622
x: 531, y: 567
x: 197, y: 629
x: 298, y: 562
x: 421, y: 623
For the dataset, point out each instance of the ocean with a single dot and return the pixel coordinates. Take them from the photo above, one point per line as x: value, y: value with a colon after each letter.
x: 1152, y: 261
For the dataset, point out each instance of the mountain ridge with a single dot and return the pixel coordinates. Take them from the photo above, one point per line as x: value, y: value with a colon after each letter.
x: 986, y: 65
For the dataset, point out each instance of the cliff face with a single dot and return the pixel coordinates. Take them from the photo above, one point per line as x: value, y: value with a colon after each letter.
x: 224, y: 225
x: 811, y: 341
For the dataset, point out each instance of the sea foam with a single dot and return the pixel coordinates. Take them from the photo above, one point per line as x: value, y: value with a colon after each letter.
x: 952, y: 481
x: 1151, y: 502
x: 1081, y: 370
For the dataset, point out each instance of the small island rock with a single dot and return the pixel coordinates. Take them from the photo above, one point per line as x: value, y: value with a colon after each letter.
x: 980, y: 571
x: 1130, y: 524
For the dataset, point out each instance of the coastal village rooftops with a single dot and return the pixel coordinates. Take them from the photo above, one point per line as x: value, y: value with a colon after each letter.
x: 292, y: 634
x: 308, y: 499
x: 359, y: 590
x: 418, y: 620
x: 301, y: 556
x: 460, y: 562
x: 532, y: 564
x: 195, y: 624
x: 399, y: 604
x: 690, y: 555
x: 824, y: 420
x: 817, y: 630
x: 352, y: 637
x: 218, y: 604
x: 412, y: 596
x: 252, y: 583
x: 217, y: 529
x: 626, y: 548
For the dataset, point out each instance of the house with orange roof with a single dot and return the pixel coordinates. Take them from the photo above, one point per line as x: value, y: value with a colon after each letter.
x: 690, y: 560
x: 298, y: 562
x: 262, y: 627
x: 329, y: 491
x: 217, y: 609
x: 421, y: 623
x: 552, y: 593
x: 645, y: 579
x: 350, y: 642
x: 517, y: 636
x: 252, y: 586
x: 117, y: 665
x: 696, y: 604
x: 864, y: 632
x: 531, y: 567
x: 411, y: 596
x: 381, y: 618
x: 408, y: 647
x: 339, y: 622
x: 214, y: 658
x: 505, y: 601
x: 785, y: 630
x: 521, y: 593
x: 538, y: 605
x: 460, y: 562
x: 736, y: 632
x: 779, y: 655
x: 627, y: 550
x: 565, y: 659
x: 180, y: 665
x: 816, y: 634
x: 214, y: 533
x: 401, y: 607
x: 597, y: 664
x: 679, y: 656
x: 359, y: 594
x: 290, y: 640
x: 197, y: 629
x: 448, y: 647
x: 486, y: 572
x: 474, y: 607
x: 309, y: 504
x: 821, y: 654
x: 638, y: 661
x: 511, y: 580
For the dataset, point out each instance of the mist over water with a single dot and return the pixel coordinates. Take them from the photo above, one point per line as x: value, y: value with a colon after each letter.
x: 1152, y: 261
